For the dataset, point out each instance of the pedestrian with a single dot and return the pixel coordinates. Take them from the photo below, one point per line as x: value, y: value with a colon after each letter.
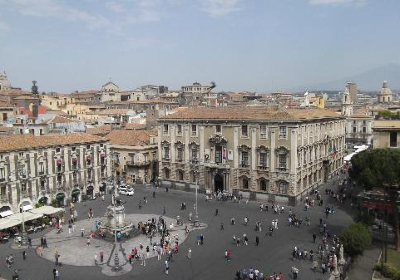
x: 56, y: 256
x: 216, y: 212
x: 54, y: 273
x: 189, y: 254
x: 40, y: 251
x: 154, y: 194
x: 232, y: 221
x: 314, y: 266
x: 95, y: 259
x: 257, y: 240
x: 57, y: 274
x: 88, y: 241
x: 314, y: 236
x: 166, y: 267
x: 246, y: 220
x: 101, y: 256
x: 29, y: 242
x: 222, y: 226
x: 164, y: 210
x: 295, y: 272
x: 201, y: 239
x: 24, y: 255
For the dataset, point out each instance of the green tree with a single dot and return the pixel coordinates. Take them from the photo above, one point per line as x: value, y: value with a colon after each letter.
x: 355, y: 239
x: 379, y: 168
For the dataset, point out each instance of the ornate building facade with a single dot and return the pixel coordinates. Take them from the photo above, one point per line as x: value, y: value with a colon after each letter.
x: 41, y: 169
x: 260, y: 151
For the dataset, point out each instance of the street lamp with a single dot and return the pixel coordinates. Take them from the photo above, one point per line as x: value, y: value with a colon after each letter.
x: 20, y: 173
x: 116, y: 258
x: 196, y: 221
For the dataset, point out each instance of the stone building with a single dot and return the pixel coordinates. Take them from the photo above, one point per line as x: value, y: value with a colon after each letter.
x: 262, y: 151
x: 385, y: 95
x: 45, y: 168
x: 134, y: 153
x: 386, y: 134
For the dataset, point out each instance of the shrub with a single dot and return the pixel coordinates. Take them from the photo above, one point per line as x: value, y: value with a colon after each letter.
x: 355, y: 239
x: 365, y: 218
x: 387, y: 271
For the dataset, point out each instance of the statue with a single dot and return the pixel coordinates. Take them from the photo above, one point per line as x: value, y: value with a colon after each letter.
x: 35, y: 88
x: 342, y: 261
x: 335, y: 272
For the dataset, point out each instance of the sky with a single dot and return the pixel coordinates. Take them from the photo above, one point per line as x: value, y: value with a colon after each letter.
x: 254, y: 45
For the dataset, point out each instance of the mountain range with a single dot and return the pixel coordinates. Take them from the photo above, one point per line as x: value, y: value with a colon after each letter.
x: 370, y: 80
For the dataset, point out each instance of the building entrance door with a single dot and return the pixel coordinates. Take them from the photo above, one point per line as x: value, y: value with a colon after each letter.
x: 218, y: 183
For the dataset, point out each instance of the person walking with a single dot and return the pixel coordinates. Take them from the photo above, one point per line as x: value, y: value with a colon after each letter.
x: 101, y: 256
x: 257, y: 240
x: 189, y: 254
x: 222, y: 226
x: 295, y: 272
x: 216, y: 212
x: 314, y: 236
x: 24, y: 255
x: 166, y: 267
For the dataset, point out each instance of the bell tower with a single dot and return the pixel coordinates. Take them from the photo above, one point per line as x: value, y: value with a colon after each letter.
x: 347, y: 104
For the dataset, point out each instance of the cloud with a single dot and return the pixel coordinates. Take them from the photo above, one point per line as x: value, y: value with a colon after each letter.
x: 218, y: 8
x: 335, y: 2
x: 3, y: 25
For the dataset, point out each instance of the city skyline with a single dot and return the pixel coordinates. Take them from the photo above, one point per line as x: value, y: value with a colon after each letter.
x: 256, y: 46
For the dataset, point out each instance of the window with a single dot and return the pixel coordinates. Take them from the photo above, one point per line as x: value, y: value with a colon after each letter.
x: 245, y: 159
x: 194, y: 129
x: 74, y: 149
x: 2, y: 173
x: 263, y: 132
x: 218, y: 154
x: 393, y: 139
x: 180, y: 175
x: 23, y: 187
x: 364, y: 129
x: 180, y: 154
x: 166, y: 152
x: 263, y: 185
x: 245, y: 131
x: 218, y: 128
x: 165, y: 129
x: 282, y: 132
x: 166, y: 173
x: 58, y: 150
x: 41, y: 168
x: 283, y: 186
x: 263, y: 159
x: 354, y: 129
x: 245, y: 183
x: 3, y: 191
x: 179, y: 129
x: 88, y: 147
x: 282, y: 161
x: 194, y: 154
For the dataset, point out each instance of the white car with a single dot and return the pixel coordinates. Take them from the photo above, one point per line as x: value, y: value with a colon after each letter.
x: 126, y: 191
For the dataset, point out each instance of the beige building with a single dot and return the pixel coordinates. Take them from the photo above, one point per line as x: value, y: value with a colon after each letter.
x: 352, y: 89
x: 57, y: 101
x: 386, y: 134
x: 134, y: 153
x: 44, y: 168
x: 385, y: 95
x: 7, y: 111
x: 264, y: 151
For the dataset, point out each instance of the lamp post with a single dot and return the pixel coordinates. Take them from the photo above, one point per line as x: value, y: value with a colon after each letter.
x: 20, y: 173
x: 116, y: 258
x: 196, y: 221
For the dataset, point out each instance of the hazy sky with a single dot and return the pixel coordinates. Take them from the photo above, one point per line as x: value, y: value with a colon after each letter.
x: 255, y: 45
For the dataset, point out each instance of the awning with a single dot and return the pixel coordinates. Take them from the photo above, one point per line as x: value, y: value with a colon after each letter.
x: 6, y: 213
x: 47, y: 210
x: 76, y: 192
x: 16, y: 219
x: 26, y: 206
x: 60, y: 196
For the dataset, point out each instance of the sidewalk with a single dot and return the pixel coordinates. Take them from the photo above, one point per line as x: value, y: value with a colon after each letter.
x: 362, y: 269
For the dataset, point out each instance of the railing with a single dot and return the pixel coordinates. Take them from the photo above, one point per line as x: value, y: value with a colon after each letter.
x: 135, y: 164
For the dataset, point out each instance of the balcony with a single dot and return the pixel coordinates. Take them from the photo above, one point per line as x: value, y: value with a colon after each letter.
x: 262, y: 167
x: 137, y: 164
x: 244, y: 164
x: 41, y: 173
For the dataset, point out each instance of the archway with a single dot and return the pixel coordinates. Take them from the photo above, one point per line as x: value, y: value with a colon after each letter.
x: 43, y: 200
x: 75, y: 195
x: 60, y: 199
x: 218, y: 183
x: 89, y: 191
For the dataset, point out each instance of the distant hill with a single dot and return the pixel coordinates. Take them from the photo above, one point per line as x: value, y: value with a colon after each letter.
x: 370, y: 80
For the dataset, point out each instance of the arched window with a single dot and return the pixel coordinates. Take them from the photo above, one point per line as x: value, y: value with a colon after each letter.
x: 263, y: 184
x: 166, y: 173
x: 180, y: 175
x: 245, y: 183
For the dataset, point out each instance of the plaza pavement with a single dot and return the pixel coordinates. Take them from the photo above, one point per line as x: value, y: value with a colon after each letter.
x: 207, y: 262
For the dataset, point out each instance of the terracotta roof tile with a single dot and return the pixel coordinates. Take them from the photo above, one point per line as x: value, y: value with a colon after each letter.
x: 5, y: 104
x: 135, y: 126
x: 99, y: 130
x: 114, y: 112
x: 129, y: 137
x: 250, y: 113
x: 28, y: 141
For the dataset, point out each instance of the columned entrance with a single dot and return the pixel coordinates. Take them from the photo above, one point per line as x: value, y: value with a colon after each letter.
x: 218, y: 183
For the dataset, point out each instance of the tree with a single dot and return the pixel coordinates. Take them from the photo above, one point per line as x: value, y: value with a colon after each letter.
x: 35, y: 89
x: 379, y: 168
x: 355, y: 239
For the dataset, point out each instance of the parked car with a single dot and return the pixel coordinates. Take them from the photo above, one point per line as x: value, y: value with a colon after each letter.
x: 126, y: 190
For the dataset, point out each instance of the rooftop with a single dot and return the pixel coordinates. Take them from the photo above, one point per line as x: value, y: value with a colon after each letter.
x: 130, y: 137
x: 386, y: 125
x: 250, y: 113
x: 28, y: 141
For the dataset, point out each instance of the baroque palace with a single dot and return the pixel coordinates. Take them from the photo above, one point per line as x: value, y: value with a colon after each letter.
x: 52, y: 167
x: 259, y: 151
